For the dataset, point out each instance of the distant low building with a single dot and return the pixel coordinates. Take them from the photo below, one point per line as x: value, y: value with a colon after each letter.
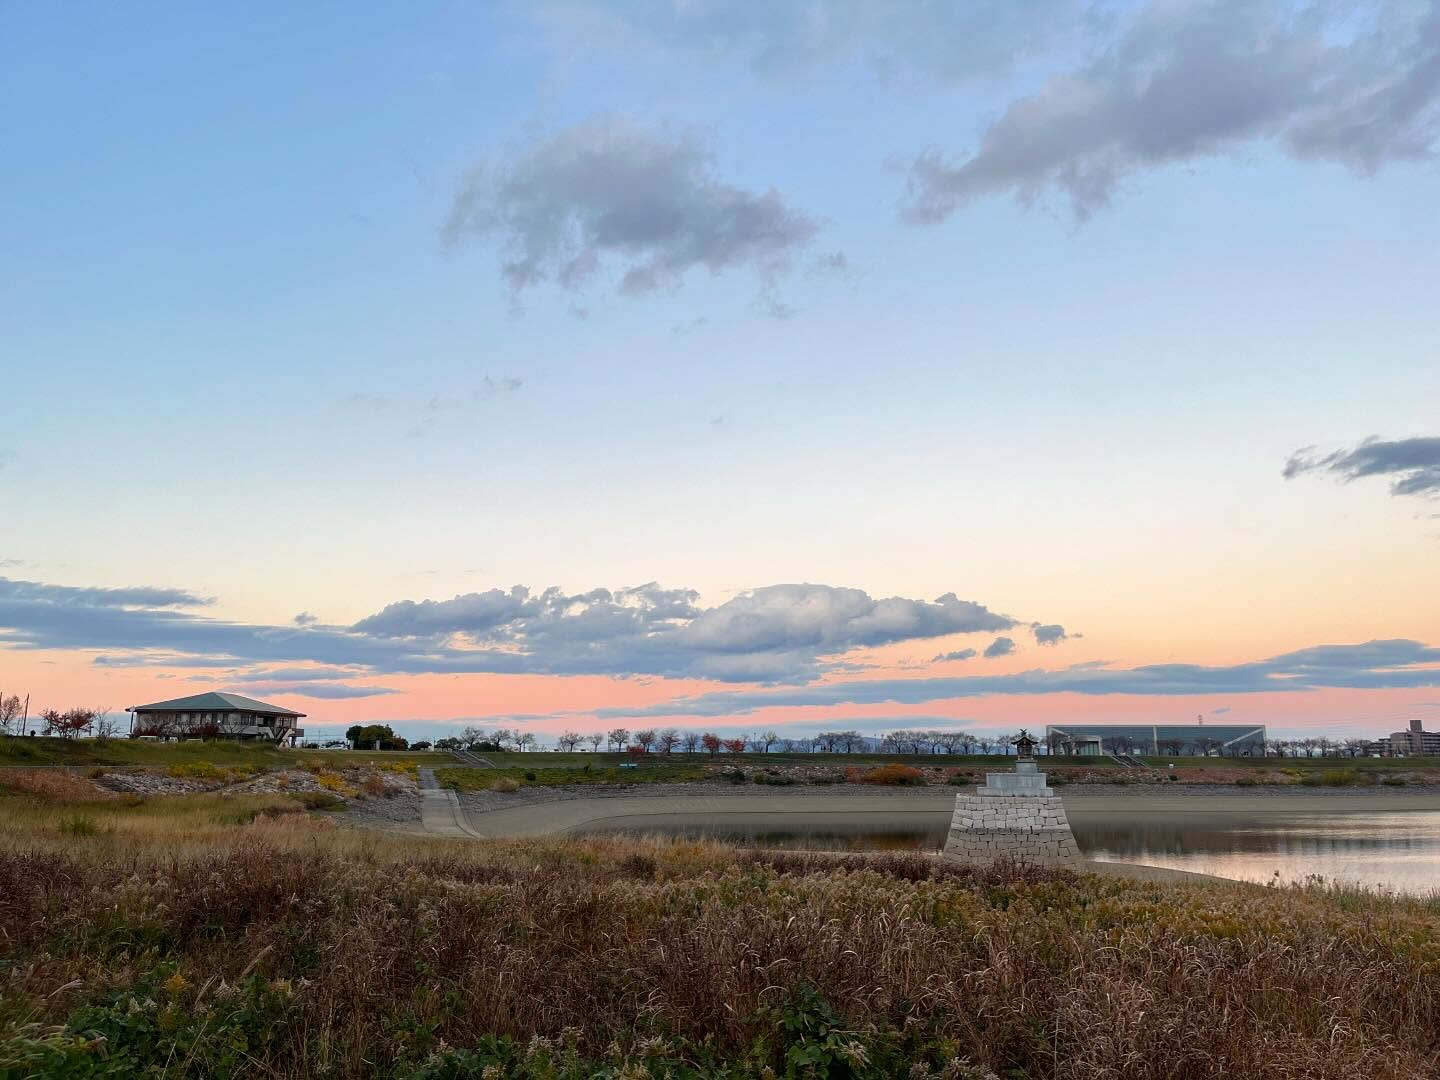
x: 1157, y: 740
x: 214, y: 716
x: 1414, y: 741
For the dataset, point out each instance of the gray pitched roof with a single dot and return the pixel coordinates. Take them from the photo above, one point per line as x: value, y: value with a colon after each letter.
x: 215, y: 702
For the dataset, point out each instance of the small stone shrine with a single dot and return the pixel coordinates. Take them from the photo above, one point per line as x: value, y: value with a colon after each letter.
x: 1015, y: 815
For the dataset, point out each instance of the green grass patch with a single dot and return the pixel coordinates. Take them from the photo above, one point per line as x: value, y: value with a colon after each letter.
x: 219, y: 752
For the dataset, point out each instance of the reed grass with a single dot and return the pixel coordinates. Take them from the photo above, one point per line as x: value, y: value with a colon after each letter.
x: 244, y: 937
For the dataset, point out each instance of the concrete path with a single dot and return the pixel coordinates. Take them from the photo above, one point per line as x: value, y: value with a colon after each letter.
x: 440, y: 811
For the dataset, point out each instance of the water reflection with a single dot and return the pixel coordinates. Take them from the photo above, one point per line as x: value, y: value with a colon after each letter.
x: 1399, y: 851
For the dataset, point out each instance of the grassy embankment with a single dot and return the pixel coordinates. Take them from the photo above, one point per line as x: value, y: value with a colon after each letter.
x: 122, y: 752
x: 244, y: 937
x: 561, y: 759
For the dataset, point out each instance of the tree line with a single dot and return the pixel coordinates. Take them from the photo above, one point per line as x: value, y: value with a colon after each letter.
x: 671, y: 740
x: 16, y: 719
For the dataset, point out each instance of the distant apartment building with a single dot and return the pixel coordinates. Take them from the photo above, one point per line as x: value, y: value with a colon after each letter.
x: 1156, y: 740
x: 1411, y: 742
x: 214, y: 716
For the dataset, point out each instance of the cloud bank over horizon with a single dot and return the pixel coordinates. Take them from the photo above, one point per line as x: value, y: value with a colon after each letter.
x: 778, y: 633
x: 789, y: 642
x: 1369, y: 665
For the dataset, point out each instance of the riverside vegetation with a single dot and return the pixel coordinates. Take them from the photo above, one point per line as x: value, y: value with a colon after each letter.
x: 202, y: 935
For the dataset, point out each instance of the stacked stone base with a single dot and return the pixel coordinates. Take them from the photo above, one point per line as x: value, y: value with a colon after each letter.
x: 1024, y: 828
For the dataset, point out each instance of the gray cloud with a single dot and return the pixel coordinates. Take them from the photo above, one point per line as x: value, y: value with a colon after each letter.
x: 68, y: 596
x: 1397, y: 663
x: 305, y: 619
x: 949, y: 41
x: 1001, y: 646
x: 1048, y: 633
x: 320, y: 690
x: 1186, y: 81
x: 958, y: 654
x: 781, y: 633
x: 609, y: 195
x: 1413, y: 464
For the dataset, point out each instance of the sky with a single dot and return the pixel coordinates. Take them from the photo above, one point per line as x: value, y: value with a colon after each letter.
x: 865, y: 363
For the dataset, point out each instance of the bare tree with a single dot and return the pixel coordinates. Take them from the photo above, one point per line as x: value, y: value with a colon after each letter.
x: 106, y: 726
x: 10, y: 714
x: 645, y: 739
x: 569, y: 740
x: 950, y: 740
x: 667, y: 740
x: 690, y: 741
x: 766, y: 739
x: 524, y: 740
x: 595, y: 738
x: 617, y: 738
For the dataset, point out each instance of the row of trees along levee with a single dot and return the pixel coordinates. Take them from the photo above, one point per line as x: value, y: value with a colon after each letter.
x: 674, y: 740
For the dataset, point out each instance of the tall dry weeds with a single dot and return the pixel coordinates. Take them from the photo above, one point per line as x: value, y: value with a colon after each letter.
x: 1045, y: 972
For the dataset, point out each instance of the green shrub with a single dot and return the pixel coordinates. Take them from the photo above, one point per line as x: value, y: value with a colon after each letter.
x: 196, y: 770
x: 530, y: 776
x: 736, y: 776
x: 774, y: 779
x: 1244, y: 781
x: 1395, y: 781
x: 148, y: 1029
x: 79, y: 826
x: 318, y: 800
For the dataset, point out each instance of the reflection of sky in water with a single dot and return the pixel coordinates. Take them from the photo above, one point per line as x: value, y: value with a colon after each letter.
x: 1398, y: 851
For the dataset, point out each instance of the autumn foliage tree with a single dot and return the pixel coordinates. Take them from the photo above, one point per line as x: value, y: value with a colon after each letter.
x: 67, y: 724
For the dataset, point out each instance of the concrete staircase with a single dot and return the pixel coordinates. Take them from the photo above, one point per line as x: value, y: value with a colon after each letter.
x: 474, y: 760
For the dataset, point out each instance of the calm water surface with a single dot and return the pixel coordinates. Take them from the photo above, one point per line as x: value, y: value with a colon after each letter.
x: 1398, y: 850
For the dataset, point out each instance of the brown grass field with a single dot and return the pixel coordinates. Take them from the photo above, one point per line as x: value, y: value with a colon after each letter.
x: 211, y: 936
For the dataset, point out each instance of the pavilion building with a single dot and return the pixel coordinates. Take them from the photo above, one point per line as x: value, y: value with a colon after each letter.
x: 215, y: 716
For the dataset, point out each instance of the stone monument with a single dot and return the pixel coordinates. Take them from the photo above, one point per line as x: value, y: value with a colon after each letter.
x: 1015, y: 815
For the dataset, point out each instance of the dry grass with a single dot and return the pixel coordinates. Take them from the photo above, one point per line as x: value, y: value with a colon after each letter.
x: 328, y: 952
x: 50, y: 784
